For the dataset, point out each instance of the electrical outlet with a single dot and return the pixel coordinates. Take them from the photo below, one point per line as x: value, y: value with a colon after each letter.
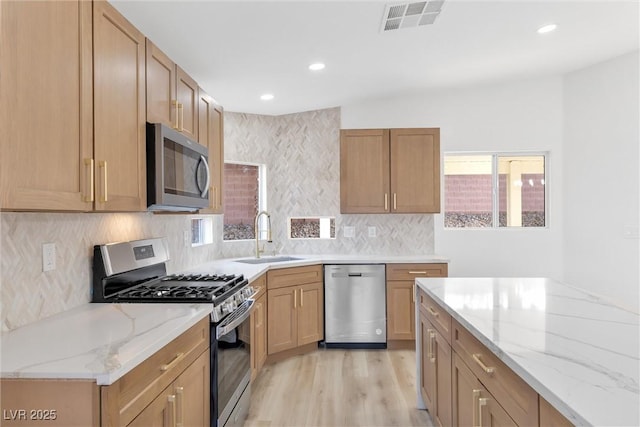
x: 372, y: 232
x: 48, y: 257
x: 349, y: 231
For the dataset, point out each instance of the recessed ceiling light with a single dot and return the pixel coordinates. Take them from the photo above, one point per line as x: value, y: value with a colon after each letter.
x: 547, y: 28
x: 317, y: 66
x: 267, y: 97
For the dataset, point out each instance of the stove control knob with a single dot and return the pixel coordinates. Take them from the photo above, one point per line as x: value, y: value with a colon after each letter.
x: 226, y: 307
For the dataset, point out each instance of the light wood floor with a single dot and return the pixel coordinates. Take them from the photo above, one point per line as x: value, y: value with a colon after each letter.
x: 334, y: 387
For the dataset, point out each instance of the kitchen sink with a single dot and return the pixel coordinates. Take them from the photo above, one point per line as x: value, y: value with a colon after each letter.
x: 267, y: 260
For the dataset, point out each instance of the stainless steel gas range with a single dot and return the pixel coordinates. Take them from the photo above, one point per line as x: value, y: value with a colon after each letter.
x: 135, y: 272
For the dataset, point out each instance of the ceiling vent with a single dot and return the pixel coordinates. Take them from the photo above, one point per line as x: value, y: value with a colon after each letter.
x: 409, y: 15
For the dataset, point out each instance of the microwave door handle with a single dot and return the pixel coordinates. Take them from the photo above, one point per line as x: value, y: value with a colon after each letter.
x: 206, y: 167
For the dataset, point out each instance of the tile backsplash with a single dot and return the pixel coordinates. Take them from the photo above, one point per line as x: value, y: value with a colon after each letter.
x: 301, y: 152
x: 27, y: 294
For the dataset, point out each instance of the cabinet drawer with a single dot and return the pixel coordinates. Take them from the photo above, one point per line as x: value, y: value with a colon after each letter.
x: 514, y: 395
x: 259, y: 286
x: 284, y: 277
x: 123, y: 400
x: 439, y: 318
x: 411, y: 271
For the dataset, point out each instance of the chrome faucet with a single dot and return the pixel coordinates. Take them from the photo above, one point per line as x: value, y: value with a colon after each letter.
x: 257, y: 231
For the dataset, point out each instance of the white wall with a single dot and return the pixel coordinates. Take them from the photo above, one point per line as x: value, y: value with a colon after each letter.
x: 601, y: 184
x: 513, y: 116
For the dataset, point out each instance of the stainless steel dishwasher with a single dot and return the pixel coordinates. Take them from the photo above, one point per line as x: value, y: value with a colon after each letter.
x: 355, y: 312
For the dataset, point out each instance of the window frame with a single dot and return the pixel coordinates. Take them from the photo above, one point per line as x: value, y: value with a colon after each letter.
x: 495, y: 196
x: 262, y: 197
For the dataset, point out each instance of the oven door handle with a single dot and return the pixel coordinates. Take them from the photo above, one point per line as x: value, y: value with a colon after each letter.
x: 241, y: 314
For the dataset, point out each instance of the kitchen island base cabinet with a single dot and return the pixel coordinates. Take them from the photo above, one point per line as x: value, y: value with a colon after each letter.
x: 295, y: 307
x: 435, y: 379
x: 482, y: 391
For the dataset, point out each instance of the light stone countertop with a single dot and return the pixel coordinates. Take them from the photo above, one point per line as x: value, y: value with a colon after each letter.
x: 253, y: 271
x: 103, y: 342
x: 100, y: 342
x: 577, y: 350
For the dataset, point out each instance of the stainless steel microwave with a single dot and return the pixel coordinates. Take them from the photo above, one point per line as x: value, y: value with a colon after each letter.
x: 178, y: 175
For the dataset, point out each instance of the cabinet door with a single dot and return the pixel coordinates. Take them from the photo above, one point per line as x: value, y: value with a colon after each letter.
x: 310, y: 313
x: 161, y: 412
x: 210, y: 134
x: 427, y: 380
x: 161, y: 87
x: 490, y: 413
x: 281, y: 318
x: 187, y: 96
x: 441, y: 350
x: 465, y: 393
x: 364, y: 171
x: 46, y: 116
x: 192, y: 393
x: 119, y: 111
x: 258, y: 336
x: 415, y: 170
x: 400, y: 310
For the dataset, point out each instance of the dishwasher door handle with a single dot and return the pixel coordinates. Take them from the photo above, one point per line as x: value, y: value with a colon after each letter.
x: 355, y: 274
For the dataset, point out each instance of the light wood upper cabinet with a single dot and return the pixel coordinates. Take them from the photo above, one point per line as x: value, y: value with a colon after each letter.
x: 119, y: 112
x: 46, y: 115
x: 172, y: 96
x: 211, y: 132
x: 415, y: 170
x: 390, y: 171
x: 364, y: 171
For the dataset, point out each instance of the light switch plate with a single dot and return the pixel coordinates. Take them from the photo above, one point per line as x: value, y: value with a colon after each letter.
x: 349, y: 231
x: 48, y: 257
x: 372, y: 232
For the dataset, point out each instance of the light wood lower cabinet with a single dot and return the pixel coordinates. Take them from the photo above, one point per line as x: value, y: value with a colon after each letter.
x: 183, y: 403
x: 401, y: 296
x: 295, y: 307
x: 258, y: 340
x: 171, y: 387
x: 435, y: 382
x: 477, y: 389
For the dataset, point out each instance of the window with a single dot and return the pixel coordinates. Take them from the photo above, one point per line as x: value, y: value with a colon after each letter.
x: 494, y: 190
x: 244, y: 197
x: 312, y: 228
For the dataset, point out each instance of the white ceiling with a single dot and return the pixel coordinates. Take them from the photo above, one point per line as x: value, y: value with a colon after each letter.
x: 239, y: 50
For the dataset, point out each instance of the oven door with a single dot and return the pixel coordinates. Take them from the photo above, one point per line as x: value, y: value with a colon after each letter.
x: 233, y: 367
